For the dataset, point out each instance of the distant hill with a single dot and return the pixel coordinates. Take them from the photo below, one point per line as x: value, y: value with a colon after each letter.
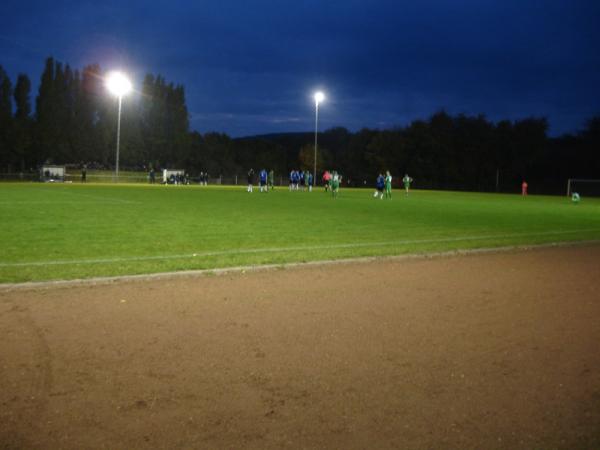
x: 277, y: 136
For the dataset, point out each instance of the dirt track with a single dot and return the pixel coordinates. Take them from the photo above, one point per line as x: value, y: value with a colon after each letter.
x: 483, y: 351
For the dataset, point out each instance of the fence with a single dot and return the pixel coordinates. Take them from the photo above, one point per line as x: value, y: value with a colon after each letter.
x: 105, y: 176
x: 21, y: 176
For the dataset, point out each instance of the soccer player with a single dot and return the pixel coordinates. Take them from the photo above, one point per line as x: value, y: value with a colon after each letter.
x: 263, y: 181
x: 406, y: 181
x: 302, y: 180
x: 310, y: 181
x: 326, y: 179
x: 524, y: 187
x: 335, y: 184
x: 379, y: 185
x: 250, y: 180
x: 84, y: 174
x: 388, y: 185
x: 271, y: 179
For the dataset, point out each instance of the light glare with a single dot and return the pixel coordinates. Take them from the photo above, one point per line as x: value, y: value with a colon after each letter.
x: 319, y: 97
x: 118, y: 84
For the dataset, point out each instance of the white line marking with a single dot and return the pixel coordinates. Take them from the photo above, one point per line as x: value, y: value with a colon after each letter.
x: 99, y: 281
x: 287, y: 249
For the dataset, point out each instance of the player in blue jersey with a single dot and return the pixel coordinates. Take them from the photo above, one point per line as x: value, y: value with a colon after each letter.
x: 379, y: 185
x: 262, y: 181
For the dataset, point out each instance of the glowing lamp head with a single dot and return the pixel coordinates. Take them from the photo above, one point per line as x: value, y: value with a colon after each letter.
x: 319, y: 97
x: 118, y: 84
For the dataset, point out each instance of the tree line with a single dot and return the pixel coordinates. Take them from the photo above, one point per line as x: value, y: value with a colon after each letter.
x: 74, y: 122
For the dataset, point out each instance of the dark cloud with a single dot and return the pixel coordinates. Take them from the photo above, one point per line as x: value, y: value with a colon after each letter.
x: 249, y: 67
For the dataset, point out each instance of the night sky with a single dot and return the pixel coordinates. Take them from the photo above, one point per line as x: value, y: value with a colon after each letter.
x: 250, y: 67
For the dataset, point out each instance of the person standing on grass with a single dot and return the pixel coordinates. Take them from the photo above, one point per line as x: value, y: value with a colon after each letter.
x: 388, y: 185
x: 524, y: 187
x: 310, y: 181
x: 250, y: 180
x: 406, y: 181
x: 326, y: 180
x: 263, y: 181
x: 84, y: 174
x: 379, y: 185
x: 335, y: 184
x: 271, y: 179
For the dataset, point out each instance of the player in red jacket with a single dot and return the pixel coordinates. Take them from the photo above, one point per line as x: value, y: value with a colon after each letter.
x: 326, y: 180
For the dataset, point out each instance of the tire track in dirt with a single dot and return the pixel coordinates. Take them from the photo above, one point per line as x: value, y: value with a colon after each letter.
x: 34, y: 363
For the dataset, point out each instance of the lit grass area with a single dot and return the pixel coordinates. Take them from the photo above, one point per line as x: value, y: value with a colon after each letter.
x: 68, y: 231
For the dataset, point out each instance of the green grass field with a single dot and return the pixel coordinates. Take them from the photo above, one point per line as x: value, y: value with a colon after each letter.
x: 67, y: 231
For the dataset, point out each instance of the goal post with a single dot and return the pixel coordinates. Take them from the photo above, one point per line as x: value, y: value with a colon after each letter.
x: 583, y: 186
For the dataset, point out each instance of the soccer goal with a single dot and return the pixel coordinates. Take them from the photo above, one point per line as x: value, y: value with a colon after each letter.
x: 590, y: 188
x: 52, y: 174
x: 174, y: 176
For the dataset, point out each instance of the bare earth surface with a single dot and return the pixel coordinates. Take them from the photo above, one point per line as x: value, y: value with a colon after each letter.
x: 498, y: 350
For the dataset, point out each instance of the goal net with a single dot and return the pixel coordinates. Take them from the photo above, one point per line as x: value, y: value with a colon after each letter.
x: 174, y: 176
x: 52, y: 174
x: 585, y: 188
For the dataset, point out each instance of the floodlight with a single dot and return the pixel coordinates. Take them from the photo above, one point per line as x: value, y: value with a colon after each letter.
x: 118, y: 84
x: 319, y: 97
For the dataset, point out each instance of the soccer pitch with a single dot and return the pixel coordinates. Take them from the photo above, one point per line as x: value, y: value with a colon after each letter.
x: 69, y: 231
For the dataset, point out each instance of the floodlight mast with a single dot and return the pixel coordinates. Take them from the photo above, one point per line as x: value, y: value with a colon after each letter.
x: 319, y: 97
x: 118, y: 85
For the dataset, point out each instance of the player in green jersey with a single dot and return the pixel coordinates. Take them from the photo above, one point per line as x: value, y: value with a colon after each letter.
x: 271, y: 180
x: 406, y: 181
x: 388, y: 185
x: 335, y: 184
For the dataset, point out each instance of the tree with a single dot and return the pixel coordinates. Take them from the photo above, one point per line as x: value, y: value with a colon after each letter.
x: 23, y: 124
x: 306, y: 158
x: 590, y: 142
x: 6, y: 122
x: 21, y: 95
x: 530, y: 145
x: 45, y: 113
x: 219, y: 154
